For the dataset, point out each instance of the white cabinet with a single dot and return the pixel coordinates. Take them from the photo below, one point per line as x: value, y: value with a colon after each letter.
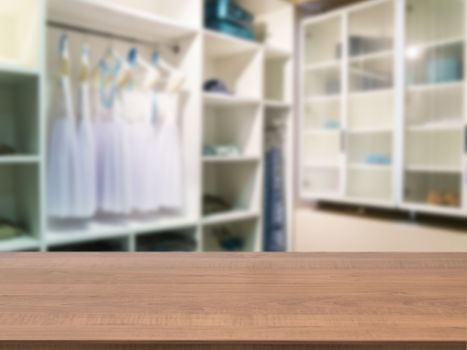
x: 348, y: 105
x: 435, y: 113
x: 383, y: 120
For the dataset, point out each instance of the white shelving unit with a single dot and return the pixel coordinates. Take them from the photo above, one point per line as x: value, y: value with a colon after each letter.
x: 259, y: 75
x: 385, y: 78
x: 434, y: 159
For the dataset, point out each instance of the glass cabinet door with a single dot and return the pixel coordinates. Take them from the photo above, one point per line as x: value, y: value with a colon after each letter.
x: 321, y: 172
x: 370, y: 103
x: 434, y: 104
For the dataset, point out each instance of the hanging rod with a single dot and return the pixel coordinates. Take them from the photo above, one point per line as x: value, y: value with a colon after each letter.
x: 108, y: 35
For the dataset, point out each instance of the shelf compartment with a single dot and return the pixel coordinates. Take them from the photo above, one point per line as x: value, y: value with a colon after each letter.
x: 435, y: 149
x: 237, y: 71
x: 20, y: 25
x: 323, y: 82
x: 437, y: 65
x: 228, y: 217
x: 323, y: 40
x: 276, y: 83
x: 238, y: 184
x: 369, y: 147
x: 370, y: 75
x: 322, y: 115
x: 247, y: 231
x: 239, y: 127
x: 223, y: 45
x: 423, y: 16
x: 182, y: 240
x: 68, y: 232
x: 19, y: 203
x: 18, y: 244
x: 435, y: 106
x: 19, y: 113
x: 268, y: 13
x: 109, y: 245
x: 442, y: 190
x: 375, y: 110
x: 109, y: 17
x: 368, y: 184
x: 377, y: 19
x: 322, y: 147
x: 217, y: 99
x: 318, y: 181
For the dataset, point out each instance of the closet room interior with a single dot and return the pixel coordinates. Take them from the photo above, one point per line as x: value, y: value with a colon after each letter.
x: 232, y: 125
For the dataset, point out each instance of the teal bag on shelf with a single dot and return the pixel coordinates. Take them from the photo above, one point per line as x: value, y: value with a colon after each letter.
x: 228, y: 10
x: 441, y: 70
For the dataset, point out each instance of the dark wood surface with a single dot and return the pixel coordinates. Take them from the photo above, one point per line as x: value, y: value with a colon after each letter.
x: 373, y: 301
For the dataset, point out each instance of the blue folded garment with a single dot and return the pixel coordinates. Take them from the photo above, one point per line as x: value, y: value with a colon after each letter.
x: 215, y: 85
x: 378, y: 159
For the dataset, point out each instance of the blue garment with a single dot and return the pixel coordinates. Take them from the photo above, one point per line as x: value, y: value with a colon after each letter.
x: 275, y: 212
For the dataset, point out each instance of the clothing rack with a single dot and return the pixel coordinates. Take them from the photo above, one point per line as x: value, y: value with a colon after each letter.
x: 79, y: 29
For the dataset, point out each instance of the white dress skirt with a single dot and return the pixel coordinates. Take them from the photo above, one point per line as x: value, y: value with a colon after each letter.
x: 62, y: 186
x: 139, y: 111
x: 168, y: 154
x: 113, y: 160
x: 86, y: 198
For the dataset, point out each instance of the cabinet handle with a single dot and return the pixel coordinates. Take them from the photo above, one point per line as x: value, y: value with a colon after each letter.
x: 343, y: 141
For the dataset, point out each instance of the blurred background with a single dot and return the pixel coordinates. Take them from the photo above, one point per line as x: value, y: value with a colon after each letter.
x: 232, y: 125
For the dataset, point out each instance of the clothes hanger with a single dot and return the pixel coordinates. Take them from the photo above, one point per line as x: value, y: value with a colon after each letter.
x: 176, y: 78
x: 153, y: 72
x: 84, y: 75
x: 64, y: 56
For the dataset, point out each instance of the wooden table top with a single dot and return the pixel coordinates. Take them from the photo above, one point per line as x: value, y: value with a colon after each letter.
x: 163, y: 298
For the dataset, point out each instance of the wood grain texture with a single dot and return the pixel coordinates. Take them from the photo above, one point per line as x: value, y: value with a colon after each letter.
x: 83, y: 346
x: 233, y: 298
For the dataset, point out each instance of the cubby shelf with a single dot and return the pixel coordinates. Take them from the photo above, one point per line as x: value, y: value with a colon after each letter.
x: 104, y: 16
x: 433, y: 169
x: 21, y: 243
x: 371, y: 56
x: 436, y: 44
x: 333, y: 64
x: 84, y: 232
x: 370, y: 167
x: 420, y: 88
x: 222, y: 45
x: 19, y: 159
x: 227, y: 217
x: 216, y: 99
x: 277, y: 104
x: 232, y: 159
x: 276, y: 52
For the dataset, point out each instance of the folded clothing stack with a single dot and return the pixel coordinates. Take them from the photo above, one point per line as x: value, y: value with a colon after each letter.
x: 9, y: 229
x: 167, y: 242
x: 221, y: 150
x: 228, y: 17
x: 229, y: 241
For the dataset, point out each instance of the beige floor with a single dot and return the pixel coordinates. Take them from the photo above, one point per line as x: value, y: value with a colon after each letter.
x: 317, y: 231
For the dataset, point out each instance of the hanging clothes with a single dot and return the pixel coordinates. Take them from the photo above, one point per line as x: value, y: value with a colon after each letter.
x: 168, y: 153
x: 274, y: 200
x: 62, y: 185
x: 86, y: 157
x: 113, y: 148
x: 138, y: 111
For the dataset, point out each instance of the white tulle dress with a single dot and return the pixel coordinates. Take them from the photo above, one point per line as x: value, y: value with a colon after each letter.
x: 86, y: 198
x: 113, y: 155
x: 139, y: 110
x: 168, y: 154
x: 62, y: 186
